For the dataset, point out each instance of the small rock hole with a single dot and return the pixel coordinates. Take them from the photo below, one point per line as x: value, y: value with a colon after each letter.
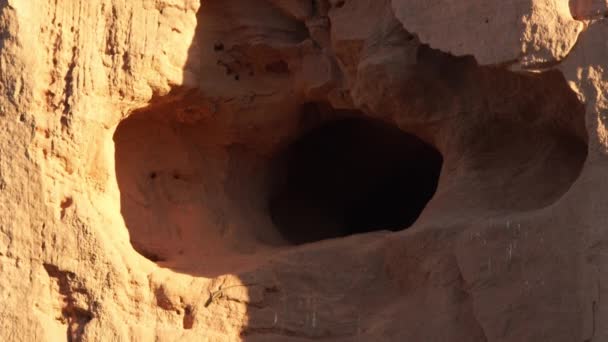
x: 188, y: 322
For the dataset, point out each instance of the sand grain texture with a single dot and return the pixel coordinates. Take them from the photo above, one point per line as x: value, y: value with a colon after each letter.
x: 147, y: 170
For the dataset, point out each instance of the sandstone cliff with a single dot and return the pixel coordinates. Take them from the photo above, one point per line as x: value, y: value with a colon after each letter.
x: 226, y: 170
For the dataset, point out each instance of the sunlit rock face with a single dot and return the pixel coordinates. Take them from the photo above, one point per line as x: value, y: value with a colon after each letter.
x: 276, y: 170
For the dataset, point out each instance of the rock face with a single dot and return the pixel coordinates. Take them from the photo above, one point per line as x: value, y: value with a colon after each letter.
x: 273, y: 170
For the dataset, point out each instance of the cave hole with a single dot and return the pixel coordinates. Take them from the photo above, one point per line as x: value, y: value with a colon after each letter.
x: 352, y: 176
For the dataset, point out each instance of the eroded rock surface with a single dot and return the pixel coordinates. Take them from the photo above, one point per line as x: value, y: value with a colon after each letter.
x: 272, y: 170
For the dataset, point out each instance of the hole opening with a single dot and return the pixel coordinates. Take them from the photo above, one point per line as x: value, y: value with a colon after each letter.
x: 352, y: 176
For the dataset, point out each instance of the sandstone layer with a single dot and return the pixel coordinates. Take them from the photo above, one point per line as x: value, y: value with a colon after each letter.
x: 288, y: 170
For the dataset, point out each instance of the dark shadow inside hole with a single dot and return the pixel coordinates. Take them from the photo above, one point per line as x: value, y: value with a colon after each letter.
x: 352, y: 176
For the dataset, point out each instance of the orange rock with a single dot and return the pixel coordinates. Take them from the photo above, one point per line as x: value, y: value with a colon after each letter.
x: 275, y: 170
